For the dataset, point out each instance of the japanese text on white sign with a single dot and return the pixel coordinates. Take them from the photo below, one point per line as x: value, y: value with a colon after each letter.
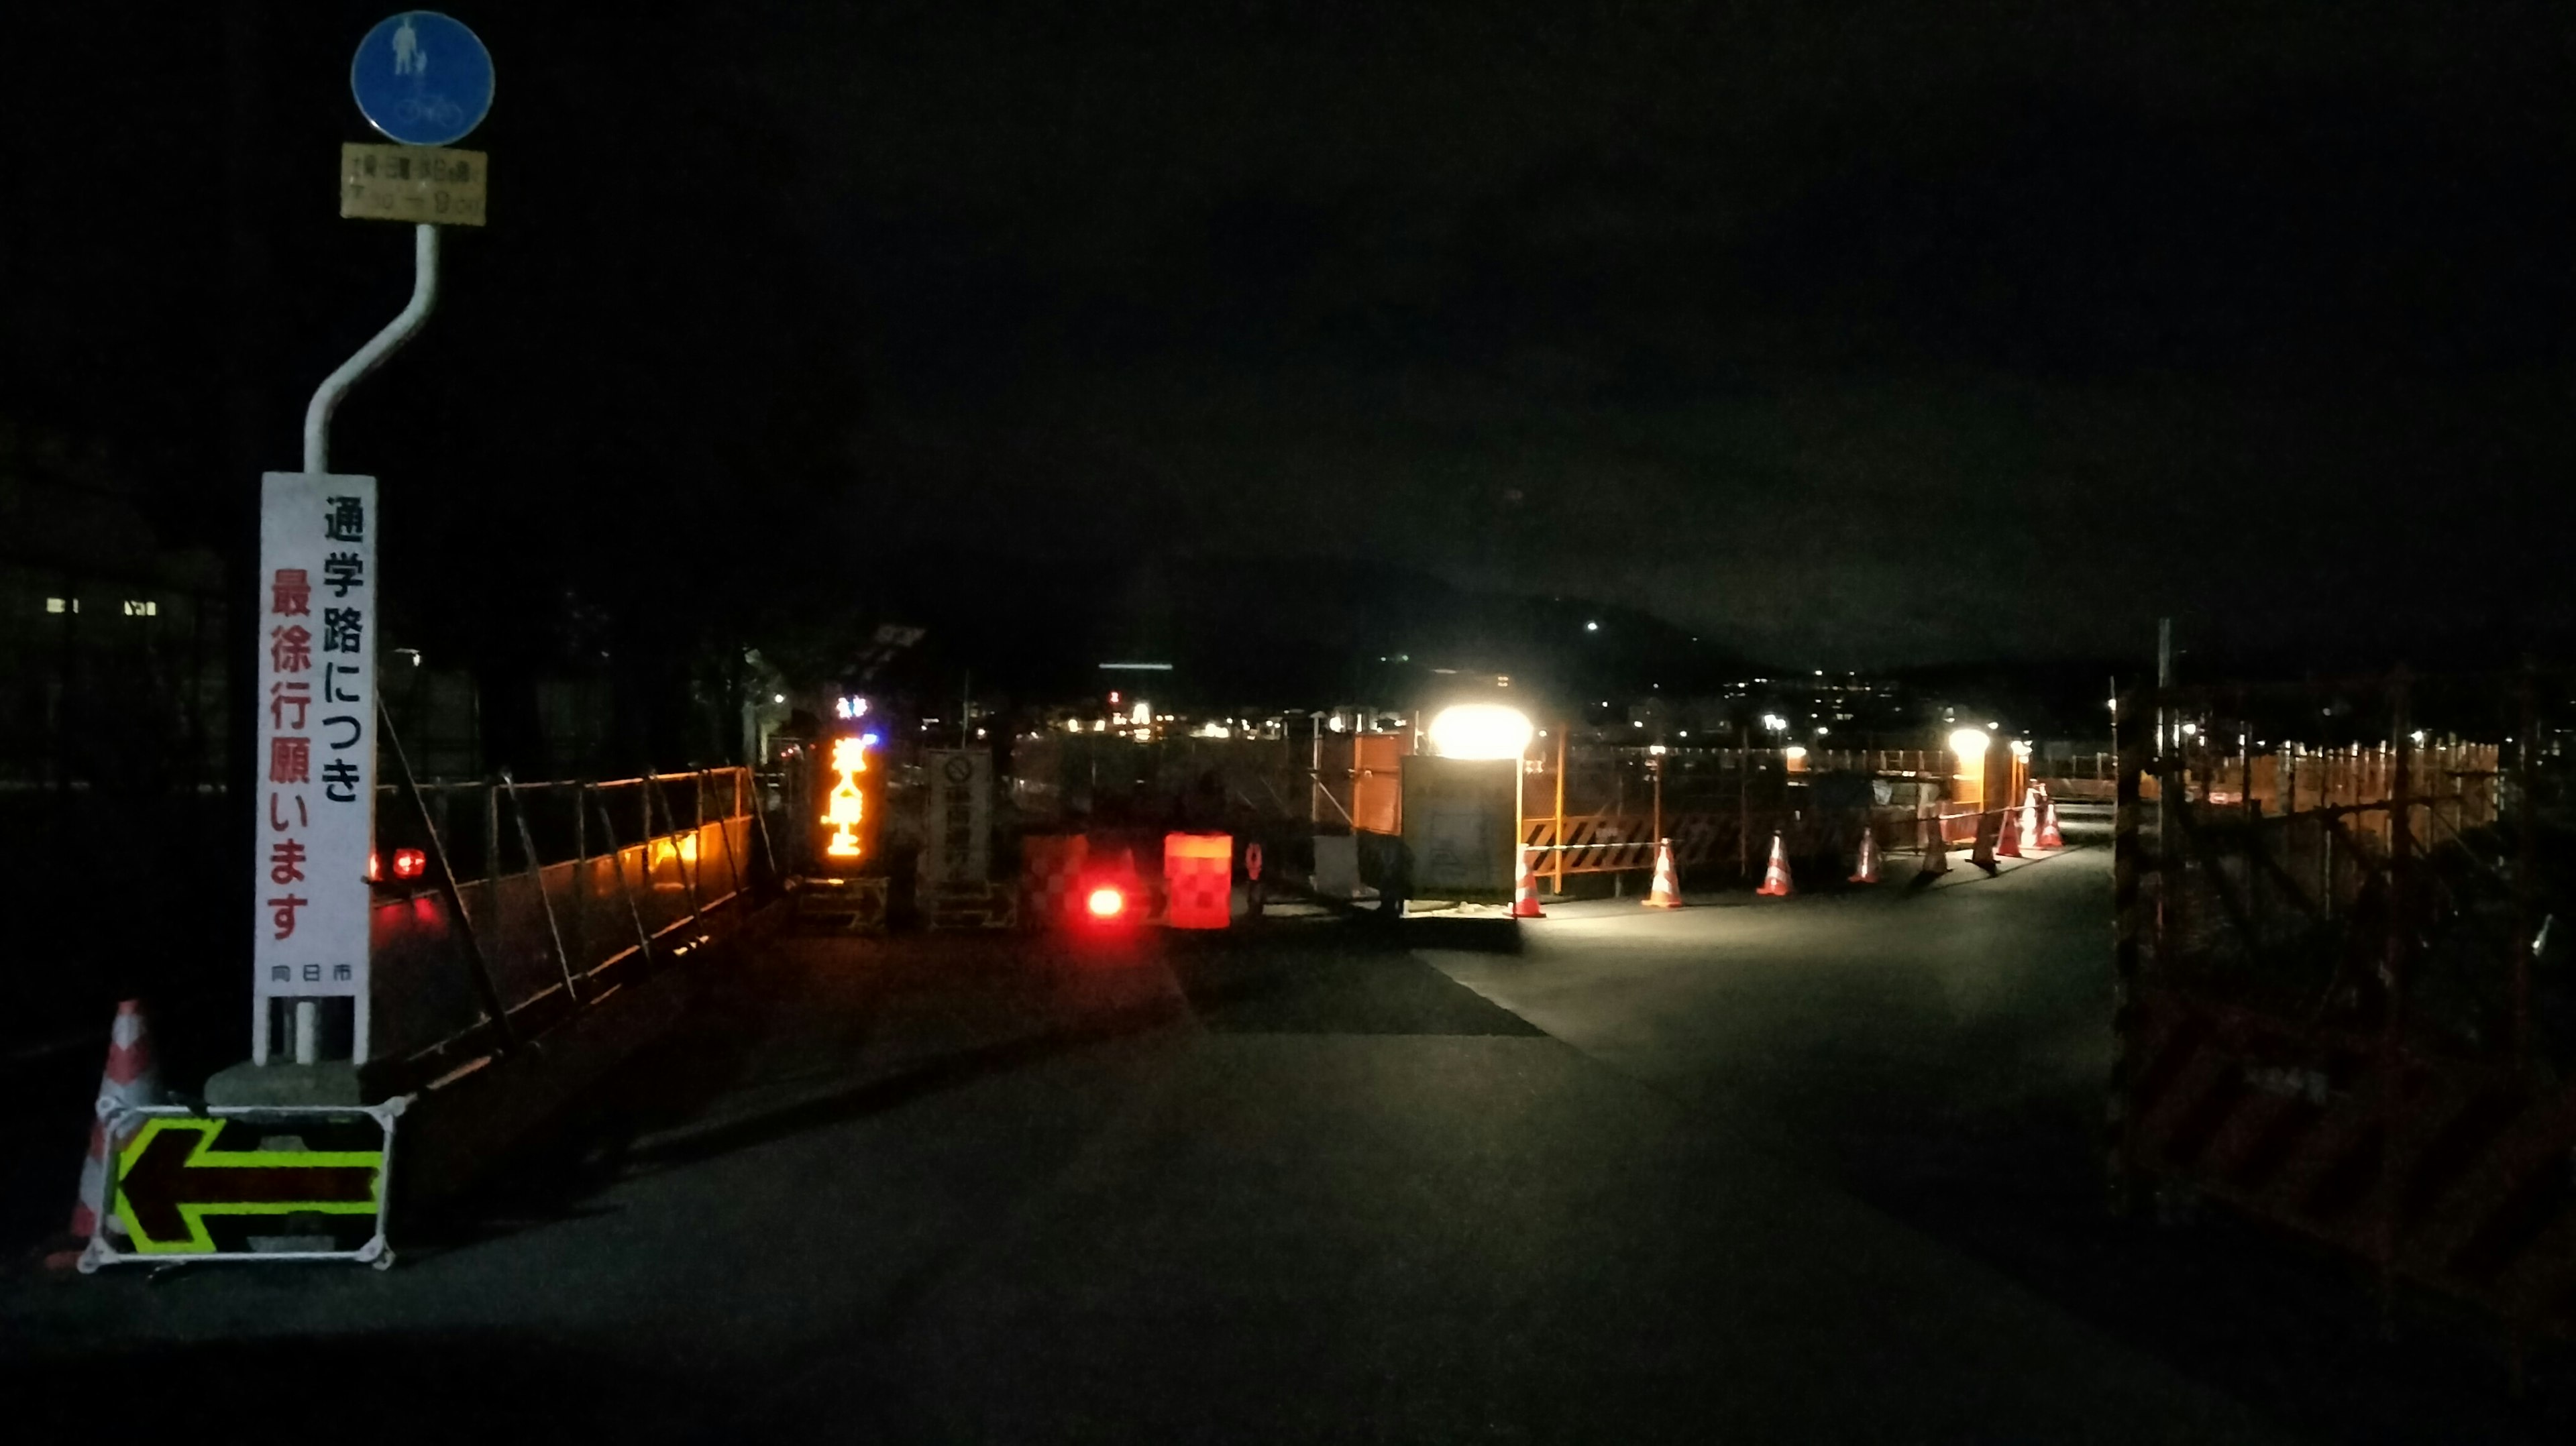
x: 316, y: 672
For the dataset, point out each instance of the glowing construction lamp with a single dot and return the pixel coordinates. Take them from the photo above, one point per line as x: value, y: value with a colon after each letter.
x: 409, y: 863
x: 1480, y: 730
x: 845, y: 808
x: 1105, y: 902
x: 1969, y: 742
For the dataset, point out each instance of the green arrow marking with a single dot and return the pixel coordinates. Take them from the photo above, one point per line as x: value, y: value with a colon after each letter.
x: 172, y: 1177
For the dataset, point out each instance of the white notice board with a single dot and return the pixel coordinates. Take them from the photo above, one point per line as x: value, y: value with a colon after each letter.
x: 315, y: 807
x: 960, y: 848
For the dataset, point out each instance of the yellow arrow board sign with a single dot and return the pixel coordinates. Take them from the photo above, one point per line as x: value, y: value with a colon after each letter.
x: 171, y: 1177
x: 412, y: 183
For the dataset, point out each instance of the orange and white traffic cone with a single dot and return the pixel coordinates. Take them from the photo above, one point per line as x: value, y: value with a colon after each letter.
x: 2008, y: 833
x: 2049, y: 837
x: 2030, y: 819
x: 1667, y: 893
x: 130, y: 1079
x: 1775, y: 875
x: 1867, y: 872
x: 1525, y: 889
x: 1936, y: 851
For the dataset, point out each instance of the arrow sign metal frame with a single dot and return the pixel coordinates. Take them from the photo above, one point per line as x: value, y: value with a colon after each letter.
x: 229, y: 1181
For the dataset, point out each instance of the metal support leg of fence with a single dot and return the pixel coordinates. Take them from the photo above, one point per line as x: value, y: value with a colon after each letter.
x: 644, y: 864
x: 580, y: 875
x: 724, y: 827
x: 537, y: 880
x: 478, y: 972
x: 679, y: 861
x: 495, y: 937
x: 760, y: 818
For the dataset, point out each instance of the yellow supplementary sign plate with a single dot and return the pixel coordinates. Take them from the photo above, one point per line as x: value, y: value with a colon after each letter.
x: 171, y: 1177
x: 412, y: 183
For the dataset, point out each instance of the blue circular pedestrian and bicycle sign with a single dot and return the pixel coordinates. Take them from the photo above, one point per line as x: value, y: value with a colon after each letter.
x: 422, y: 78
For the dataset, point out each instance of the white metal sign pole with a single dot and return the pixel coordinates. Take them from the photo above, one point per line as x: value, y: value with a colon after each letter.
x: 326, y: 397
x: 316, y: 807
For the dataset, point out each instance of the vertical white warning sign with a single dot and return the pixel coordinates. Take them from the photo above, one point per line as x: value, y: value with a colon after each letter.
x: 316, y: 693
x: 961, y: 816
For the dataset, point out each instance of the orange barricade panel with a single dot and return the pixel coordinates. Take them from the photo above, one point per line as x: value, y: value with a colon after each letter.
x: 1198, y: 869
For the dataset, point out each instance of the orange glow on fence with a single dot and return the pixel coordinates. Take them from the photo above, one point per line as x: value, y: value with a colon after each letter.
x: 846, y: 809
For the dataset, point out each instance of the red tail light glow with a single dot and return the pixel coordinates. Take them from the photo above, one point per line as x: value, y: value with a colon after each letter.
x: 1105, y: 902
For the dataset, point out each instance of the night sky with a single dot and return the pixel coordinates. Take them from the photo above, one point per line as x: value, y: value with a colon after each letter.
x: 1853, y: 335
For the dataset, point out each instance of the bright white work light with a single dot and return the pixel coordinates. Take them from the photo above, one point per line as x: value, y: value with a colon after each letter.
x: 1969, y: 742
x: 1480, y: 730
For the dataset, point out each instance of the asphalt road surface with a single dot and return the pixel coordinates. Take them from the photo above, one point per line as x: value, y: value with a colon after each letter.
x: 1814, y: 1170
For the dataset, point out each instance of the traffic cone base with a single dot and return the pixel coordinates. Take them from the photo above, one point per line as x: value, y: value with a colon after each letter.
x: 1667, y: 893
x: 2049, y: 837
x: 2008, y: 835
x: 1775, y: 876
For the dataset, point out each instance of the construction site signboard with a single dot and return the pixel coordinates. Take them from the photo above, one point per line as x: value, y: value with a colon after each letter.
x: 263, y: 1183
x: 961, y: 816
x: 314, y: 809
x: 1458, y: 815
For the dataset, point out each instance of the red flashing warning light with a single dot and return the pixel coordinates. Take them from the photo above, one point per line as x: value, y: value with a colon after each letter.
x: 375, y: 868
x: 410, y: 863
x: 1105, y: 902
